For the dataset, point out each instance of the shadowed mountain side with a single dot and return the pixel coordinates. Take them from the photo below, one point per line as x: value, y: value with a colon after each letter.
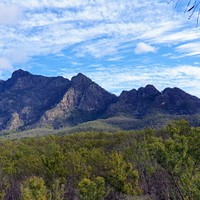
x: 25, y: 97
x: 30, y: 101
x: 134, y: 103
x: 83, y: 101
x: 149, y: 101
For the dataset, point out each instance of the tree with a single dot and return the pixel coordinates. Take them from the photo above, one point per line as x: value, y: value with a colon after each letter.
x: 179, y: 127
x: 191, y: 6
x: 57, y: 191
x: 34, y: 189
x: 121, y: 175
x: 179, y: 156
x: 90, y: 190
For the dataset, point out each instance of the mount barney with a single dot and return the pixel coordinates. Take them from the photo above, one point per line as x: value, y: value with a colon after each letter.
x: 29, y: 101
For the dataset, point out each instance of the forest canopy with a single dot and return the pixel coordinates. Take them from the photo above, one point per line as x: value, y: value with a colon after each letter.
x: 147, y: 164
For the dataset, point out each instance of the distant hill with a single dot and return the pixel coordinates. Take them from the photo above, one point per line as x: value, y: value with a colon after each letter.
x: 31, y: 101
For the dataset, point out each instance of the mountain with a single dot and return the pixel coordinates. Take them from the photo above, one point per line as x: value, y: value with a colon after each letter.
x: 29, y: 101
x: 149, y: 101
x: 83, y: 101
x: 25, y: 97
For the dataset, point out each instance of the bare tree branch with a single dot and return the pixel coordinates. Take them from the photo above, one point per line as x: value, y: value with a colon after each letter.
x: 188, y: 4
x: 198, y: 18
x: 191, y: 6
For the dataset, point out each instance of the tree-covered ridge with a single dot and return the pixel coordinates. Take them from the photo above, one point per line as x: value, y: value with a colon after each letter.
x: 148, y: 164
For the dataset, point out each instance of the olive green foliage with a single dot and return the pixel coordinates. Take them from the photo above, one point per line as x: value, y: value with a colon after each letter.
x: 120, y: 174
x: 177, y: 154
x: 90, y: 190
x: 156, y: 164
x: 57, y: 191
x: 33, y: 189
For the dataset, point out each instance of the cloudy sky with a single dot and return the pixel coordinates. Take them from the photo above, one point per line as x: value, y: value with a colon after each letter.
x: 120, y: 44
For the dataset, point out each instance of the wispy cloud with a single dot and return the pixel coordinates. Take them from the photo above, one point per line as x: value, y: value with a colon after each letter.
x: 49, y: 27
x: 105, y: 32
x: 115, y: 79
x: 189, y: 49
x: 180, y: 36
x: 185, y: 77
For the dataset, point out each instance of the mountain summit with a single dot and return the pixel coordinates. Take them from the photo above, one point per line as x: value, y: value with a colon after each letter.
x: 28, y: 101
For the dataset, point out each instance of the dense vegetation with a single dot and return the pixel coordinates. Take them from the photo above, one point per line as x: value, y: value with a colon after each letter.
x: 148, y: 164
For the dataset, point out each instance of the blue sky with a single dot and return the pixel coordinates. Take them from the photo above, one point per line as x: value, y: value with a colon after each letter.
x: 120, y: 44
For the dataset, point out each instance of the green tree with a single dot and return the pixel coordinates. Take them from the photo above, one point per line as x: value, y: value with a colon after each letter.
x: 76, y: 167
x: 121, y: 176
x: 180, y: 127
x: 53, y: 160
x: 34, y: 189
x: 57, y: 191
x: 90, y: 190
x: 178, y: 156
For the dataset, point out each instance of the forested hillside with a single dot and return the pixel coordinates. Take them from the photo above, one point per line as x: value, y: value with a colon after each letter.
x: 148, y: 164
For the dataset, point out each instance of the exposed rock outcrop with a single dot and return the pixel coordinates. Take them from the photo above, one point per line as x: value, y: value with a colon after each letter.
x: 28, y: 100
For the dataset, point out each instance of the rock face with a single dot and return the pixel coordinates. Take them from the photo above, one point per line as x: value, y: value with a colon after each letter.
x: 149, y: 101
x: 83, y: 101
x: 28, y: 100
x: 24, y: 98
x: 176, y: 102
x: 135, y: 103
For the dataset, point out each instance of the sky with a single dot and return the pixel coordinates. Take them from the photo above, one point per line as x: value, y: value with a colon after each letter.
x: 119, y: 44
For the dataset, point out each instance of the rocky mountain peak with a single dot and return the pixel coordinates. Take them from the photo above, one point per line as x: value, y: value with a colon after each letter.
x: 81, y: 82
x: 80, y: 78
x: 150, y: 87
x: 177, y: 93
x: 20, y: 73
x: 128, y: 95
x: 148, y: 91
x: 28, y: 100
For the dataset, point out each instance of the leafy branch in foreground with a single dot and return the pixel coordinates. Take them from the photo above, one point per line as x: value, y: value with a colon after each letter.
x: 191, y: 6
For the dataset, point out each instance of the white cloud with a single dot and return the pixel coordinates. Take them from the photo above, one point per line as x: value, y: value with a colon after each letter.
x: 14, y: 57
x: 42, y: 31
x: 9, y: 14
x: 177, y: 37
x: 189, y: 49
x: 142, y: 48
x: 117, y: 79
x: 18, y: 56
x: 5, y: 64
x: 98, y: 48
x: 36, y: 4
x: 89, y: 28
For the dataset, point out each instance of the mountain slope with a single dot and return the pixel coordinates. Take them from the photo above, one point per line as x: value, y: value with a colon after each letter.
x: 149, y: 101
x: 83, y: 101
x: 25, y: 97
x: 29, y: 101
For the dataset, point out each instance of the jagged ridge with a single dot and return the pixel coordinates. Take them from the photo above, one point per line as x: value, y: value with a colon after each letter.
x: 28, y: 101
